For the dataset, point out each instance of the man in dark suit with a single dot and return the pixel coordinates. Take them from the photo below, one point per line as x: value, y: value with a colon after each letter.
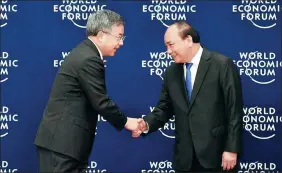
x: 66, y: 134
x: 203, y: 90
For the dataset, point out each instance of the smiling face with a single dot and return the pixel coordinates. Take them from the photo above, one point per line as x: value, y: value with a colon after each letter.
x: 177, y: 47
x: 110, y: 41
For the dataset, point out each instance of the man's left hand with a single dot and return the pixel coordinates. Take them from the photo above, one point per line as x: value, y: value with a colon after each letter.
x: 229, y: 160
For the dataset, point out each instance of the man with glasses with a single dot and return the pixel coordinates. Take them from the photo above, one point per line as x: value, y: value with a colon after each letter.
x: 66, y: 134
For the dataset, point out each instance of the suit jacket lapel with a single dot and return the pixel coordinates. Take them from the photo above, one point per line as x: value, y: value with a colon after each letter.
x: 200, y: 75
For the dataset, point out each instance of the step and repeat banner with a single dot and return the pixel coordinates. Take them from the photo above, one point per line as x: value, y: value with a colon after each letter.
x: 36, y: 36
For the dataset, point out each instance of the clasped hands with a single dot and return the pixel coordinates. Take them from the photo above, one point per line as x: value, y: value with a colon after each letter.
x: 136, y: 126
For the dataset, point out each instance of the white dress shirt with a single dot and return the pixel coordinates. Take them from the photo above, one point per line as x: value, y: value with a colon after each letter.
x: 195, y: 64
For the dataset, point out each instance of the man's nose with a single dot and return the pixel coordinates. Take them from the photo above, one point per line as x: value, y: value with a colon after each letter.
x: 120, y: 42
x: 169, y: 51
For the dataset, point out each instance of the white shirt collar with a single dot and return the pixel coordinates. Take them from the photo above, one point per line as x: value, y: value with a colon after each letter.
x: 196, y: 59
x: 97, y: 48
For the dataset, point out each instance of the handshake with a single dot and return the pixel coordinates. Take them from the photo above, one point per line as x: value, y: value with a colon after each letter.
x: 136, y: 126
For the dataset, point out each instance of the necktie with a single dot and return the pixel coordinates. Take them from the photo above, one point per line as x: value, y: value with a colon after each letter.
x: 188, y: 80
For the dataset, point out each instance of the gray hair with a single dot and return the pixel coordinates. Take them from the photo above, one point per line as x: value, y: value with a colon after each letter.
x: 102, y: 20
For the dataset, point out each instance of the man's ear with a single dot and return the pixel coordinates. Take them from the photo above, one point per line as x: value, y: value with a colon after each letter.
x: 100, y: 35
x: 189, y: 38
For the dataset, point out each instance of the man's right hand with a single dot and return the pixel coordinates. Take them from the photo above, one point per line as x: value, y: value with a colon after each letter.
x: 142, y: 126
x: 132, y: 124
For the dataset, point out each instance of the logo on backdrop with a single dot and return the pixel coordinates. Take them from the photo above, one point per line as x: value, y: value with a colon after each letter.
x: 100, y: 119
x: 58, y: 62
x: 5, y: 65
x: 261, y: 67
x: 5, y: 9
x: 261, y: 13
x: 93, y: 167
x: 162, y: 166
x: 157, y: 63
x: 249, y: 167
x: 168, y: 129
x: 78, y: 11
x: 4, y: 167
x: 261, y: 122
x: 7, y: 117
x: 167, y: 11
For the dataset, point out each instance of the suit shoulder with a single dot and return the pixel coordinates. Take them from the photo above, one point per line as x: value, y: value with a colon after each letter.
x: 172, y: 67
x: 84, y: 51
x: 81, y: 55
x: 220, y: 58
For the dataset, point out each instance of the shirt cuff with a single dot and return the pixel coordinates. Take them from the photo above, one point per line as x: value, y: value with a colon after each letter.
x: 147, y: 127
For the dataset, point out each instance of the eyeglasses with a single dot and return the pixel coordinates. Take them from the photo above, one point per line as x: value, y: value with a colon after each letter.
x: 120, y: 38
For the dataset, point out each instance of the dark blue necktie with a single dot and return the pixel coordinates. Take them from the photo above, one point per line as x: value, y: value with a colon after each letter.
x: 188, y: 80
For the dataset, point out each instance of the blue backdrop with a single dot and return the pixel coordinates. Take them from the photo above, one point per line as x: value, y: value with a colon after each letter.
x: 37, y: 35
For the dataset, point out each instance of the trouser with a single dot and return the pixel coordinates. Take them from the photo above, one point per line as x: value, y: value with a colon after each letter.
x: 50, y: 161
x: 197, y: 167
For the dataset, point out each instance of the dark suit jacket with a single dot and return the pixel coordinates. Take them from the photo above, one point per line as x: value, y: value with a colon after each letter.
x: 211, y: 121
x: 78, y: 95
